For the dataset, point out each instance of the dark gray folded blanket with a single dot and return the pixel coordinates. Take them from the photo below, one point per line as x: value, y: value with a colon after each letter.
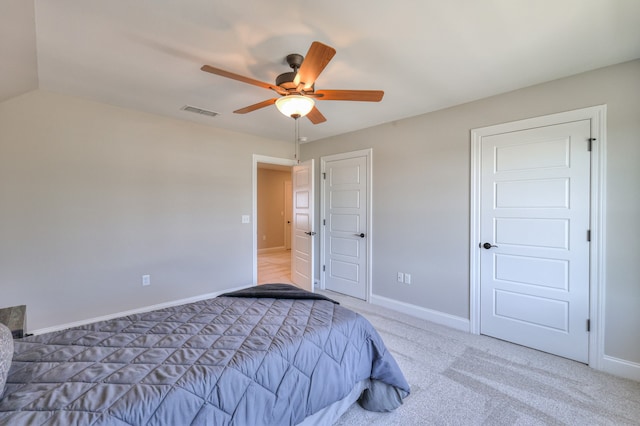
x: 277, y: 291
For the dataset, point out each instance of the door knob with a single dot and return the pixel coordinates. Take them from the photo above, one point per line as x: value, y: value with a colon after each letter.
x: 361, y: 235
x: 310, y: 233
x: 488, y: 245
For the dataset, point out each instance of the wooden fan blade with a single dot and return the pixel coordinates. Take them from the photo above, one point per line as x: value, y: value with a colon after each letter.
x: 350, y: 95
x: 256, y: 106
x: 238, y: 77
x: 315, y: 116
x: 316, y: 60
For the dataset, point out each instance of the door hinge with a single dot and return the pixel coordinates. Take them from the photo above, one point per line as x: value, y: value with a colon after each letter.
x: 324, y: 175
x: 588, y: 325
x: 324, y: 222
x: 590, y: 143
x: 324, y: 268
x: 589, y: 235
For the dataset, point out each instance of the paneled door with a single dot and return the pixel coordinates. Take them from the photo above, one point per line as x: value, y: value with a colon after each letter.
x: 345, y: 230
x: 288, y: 213
x: 534, y: 222
x: 302, y: 244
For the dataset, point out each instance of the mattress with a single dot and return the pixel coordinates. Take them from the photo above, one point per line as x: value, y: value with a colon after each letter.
x: 249, y: 360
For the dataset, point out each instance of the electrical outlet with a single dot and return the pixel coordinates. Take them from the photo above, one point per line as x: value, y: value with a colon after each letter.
x: 407, y: 278
x: 400, y: 277
x: 246, y: 218
x: 146, y: 280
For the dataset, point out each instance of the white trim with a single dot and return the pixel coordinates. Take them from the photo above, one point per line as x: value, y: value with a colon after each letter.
x: 620, y: 367
x: 254, y: 202
x: 598, y: 233
x: 436, y: 317
x: 474, y: 235
x: 597, y: 116
x: 271, y: 250
x: 136, y: 311
x: 368, y: 153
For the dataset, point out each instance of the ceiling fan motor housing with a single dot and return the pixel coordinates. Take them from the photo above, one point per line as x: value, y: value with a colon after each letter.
x: 285, y: 80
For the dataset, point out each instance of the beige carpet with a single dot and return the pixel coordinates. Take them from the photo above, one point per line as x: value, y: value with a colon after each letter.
x: 463, y: 379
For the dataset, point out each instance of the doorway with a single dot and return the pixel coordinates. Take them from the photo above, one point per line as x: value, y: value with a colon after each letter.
x: 536, y: 232
x: 271, y: 254
x: 274, y: 223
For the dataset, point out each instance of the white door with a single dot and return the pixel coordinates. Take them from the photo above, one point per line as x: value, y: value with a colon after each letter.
x: 302, y: 244
x: 345, y: 231
x: 534, y: 222
x: 288, y: 194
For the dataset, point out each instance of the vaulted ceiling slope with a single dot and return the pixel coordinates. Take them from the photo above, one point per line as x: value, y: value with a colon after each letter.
x: 425, y: 54
x: 18, y: 61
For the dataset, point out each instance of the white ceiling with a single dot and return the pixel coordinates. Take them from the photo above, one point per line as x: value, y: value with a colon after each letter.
x: 425, y: 54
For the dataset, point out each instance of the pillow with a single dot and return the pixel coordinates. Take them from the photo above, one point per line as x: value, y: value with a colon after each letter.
x: 6, y: 354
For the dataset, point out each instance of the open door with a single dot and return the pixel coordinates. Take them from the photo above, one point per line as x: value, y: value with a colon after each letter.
x: 303, y: 232
x: 288, y: 212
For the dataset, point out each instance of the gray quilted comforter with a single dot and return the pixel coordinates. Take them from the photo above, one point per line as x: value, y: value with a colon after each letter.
x: 221, y: 361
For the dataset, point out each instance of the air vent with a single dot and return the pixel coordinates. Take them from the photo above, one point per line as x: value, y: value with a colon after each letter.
x: 199, y: 111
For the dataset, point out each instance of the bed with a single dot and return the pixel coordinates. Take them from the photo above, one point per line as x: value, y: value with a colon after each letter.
x: 267, y: 355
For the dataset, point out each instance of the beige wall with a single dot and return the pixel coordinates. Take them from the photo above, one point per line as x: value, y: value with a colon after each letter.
x: 271, y: 207
x: 421, y: 194
x: 93, y: 196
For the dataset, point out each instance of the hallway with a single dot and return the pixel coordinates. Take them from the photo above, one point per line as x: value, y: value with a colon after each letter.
x: 274, y: 267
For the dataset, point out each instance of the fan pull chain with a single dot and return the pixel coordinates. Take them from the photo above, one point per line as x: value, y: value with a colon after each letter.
x: 297, y: 141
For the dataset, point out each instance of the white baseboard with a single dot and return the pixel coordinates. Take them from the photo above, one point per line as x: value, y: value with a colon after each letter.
x: 621, y: 368
x: 458, y: 323
x: 271, y: 249
x: 616, y: 366
x: 136, y: 311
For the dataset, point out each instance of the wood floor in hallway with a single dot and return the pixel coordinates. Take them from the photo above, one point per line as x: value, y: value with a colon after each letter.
x: 274, y: 267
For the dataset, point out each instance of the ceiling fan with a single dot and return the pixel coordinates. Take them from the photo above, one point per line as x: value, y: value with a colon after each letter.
x: 297, y: 88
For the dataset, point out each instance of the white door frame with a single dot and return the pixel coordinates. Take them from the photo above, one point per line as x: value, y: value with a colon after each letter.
x: 323, y: 235
x: 254, y: 200
x: 597, y: 284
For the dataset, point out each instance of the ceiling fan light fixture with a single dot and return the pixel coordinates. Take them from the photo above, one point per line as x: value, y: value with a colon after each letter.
x: 295, y: 106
